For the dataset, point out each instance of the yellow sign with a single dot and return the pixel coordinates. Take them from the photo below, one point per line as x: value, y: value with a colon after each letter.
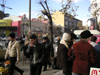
x: 5, y: 22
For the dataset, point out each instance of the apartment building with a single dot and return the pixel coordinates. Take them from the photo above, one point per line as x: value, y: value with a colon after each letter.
x: 68, y: 24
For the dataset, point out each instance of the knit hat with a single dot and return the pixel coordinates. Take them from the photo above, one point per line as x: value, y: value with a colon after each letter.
x: 12, y: 35
x: 45, y: 38
x: 66, y: 37
x: 86, y: 34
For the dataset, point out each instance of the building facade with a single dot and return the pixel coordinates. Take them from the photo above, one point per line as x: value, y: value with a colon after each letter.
x: 6, y: 27
x: 20, y: 26
x: 70, y: 24
x: 66, y: 22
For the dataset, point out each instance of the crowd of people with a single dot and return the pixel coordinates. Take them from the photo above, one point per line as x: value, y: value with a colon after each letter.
x: 74, y: 58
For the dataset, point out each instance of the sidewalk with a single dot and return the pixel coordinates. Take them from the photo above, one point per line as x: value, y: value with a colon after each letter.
x: 26, y: 69
x: 59, y: 73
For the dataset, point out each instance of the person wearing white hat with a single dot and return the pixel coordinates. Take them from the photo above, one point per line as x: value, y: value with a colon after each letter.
x: 62, y: 56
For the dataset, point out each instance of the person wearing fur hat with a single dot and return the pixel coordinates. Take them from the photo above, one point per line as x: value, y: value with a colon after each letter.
x: 13, y: 51
x: 84, y: 55
x: 62, y: 56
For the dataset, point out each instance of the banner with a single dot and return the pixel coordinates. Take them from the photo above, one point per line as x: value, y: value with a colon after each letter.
x: 94, y: 71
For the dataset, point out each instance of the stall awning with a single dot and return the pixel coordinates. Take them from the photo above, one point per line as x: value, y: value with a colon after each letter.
x: 9, y: 28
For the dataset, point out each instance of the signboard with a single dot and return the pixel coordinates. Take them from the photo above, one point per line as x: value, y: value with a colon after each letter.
x: 94, y: 71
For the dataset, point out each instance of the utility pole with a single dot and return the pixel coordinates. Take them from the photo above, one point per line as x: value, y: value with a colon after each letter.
x: 95, y: 23
x: 29, y: 17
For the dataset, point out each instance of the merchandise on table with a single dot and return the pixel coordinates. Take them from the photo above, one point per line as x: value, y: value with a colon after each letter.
x: 3, y: 71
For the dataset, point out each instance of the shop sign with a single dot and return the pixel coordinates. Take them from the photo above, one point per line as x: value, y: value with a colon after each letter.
x: 94, y: 71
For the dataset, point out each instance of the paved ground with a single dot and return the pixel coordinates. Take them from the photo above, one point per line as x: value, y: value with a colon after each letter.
x: 26, y: 69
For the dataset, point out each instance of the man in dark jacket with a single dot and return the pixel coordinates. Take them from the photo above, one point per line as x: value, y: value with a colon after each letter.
x: 49, y: 51
x: 37, y: 55
x: 73, y: 37
x: 62, y: 56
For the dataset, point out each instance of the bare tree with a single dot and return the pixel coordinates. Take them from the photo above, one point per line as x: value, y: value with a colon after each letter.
x: 79, y: 24
x: 46, y: 12
x: 69, y: 10
x: 94, y: 9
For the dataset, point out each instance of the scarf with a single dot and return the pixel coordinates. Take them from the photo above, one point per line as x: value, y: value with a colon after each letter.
x: 64, y: 43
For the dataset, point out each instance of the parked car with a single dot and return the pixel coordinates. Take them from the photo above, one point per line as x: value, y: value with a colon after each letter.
x: 5, y: 38
x: 1, y: 38
x: 1, y: 46
x: 17, y: 37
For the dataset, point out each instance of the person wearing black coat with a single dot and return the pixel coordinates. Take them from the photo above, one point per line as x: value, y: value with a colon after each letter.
x: 49, y: 52
x: 24, y: 49
x: 37, y: 55
x: 71, y: 42
x: 21, y: 42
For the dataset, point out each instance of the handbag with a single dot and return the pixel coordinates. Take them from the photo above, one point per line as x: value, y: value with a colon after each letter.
x: 72, y: 54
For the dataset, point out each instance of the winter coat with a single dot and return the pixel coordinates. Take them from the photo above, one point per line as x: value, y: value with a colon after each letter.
x: 24, y: 48
x: 85, y: 57
x: 62, y: 58
x: 41, y: 53
x: 49, y: 49
x: 13, y: 50
x: 97, y: 48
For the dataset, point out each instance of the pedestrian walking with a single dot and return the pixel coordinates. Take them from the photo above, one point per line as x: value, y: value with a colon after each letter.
x: 13, y: 51
x: 73, y: 39
x: 48, y: 49
x: 71, y: 42
x: 37, y: 55
x: 21, y: 42
x: 97, y: 48
x: 58, y: 42
x: 24, y: 49
x: 93, y: 41
x: 26, y: 39
x: 62, y: 53
x: 84, y: 55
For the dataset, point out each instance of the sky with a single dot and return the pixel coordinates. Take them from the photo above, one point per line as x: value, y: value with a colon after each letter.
x: 20, y: 7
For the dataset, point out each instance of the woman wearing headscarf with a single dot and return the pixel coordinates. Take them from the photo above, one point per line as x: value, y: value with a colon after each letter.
x: 62, y: 56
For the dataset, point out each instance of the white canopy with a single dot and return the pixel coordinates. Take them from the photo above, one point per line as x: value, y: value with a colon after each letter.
x: 13, y: 18
x: 94, y: 32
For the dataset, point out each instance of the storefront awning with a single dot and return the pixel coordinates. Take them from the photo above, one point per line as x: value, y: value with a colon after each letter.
x: 9, y: 28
